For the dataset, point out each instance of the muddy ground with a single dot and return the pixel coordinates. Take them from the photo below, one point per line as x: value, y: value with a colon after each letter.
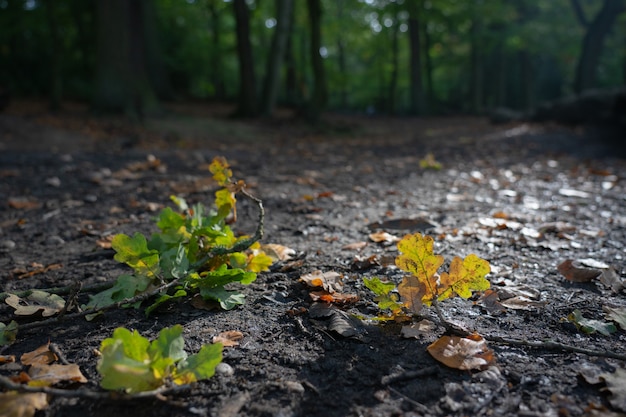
x: 524, y: 197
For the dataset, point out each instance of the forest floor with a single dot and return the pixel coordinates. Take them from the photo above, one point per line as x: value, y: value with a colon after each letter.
x: 524, y: 197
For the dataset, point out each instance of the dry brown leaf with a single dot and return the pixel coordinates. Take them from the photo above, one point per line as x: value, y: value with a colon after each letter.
x: 14, y: 404
x: 616, y: 384
x: 330, y: 281
x: 23, y: 203
x: 419, y: 329
x: 335, y: 297
x: 611, y: 279
x: 44, y: 375
x: 383, y: 237
x: 41, y: 355
x: 7, y: 358
x: 38, y: 302
x: 278, y: 252
x: 229, y: 338
x: 491, y: 302
x: 358, y: 246
x: 463, y: 353
x: 576, y: 272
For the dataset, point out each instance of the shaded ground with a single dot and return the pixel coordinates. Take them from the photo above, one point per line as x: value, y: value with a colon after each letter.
x: 524, y: 197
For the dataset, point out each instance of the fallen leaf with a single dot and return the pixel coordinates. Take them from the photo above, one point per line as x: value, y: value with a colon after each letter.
x: 611, y: 279
x: 45, y: 375
x: 37, y: 302
x: 14, y: 404
x: 576, y: 272
x: 568, y: 192
x: 415, y: 225
x: 339, y: 321
x: 383, y: 237
x: 617, y: 314
x: 23, y: 203
x: 278, y: 252
x: 41, y: 355
x: 463, y: 353
x: 7, y: 358
x: 330, y: 281
x: 229, y: 338
x: 335, y: 297
x: 490, y: 301
x: 616, y: 384
x: 590, y: 326
x: 361, y: 262
x: 358, y: 246
x: 418, y: 330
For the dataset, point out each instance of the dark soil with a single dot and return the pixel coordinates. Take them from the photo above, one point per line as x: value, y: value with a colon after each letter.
x: 562, y: 192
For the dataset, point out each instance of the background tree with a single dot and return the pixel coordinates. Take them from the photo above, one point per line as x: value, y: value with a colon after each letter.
x: 319, y: 96
x: 593, y: 40
x: 247, y: 100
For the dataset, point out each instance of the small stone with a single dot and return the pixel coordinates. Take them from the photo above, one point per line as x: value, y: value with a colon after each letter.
x: 224, y: 369
x: 91, y: 198
x: 55, y: 240
x: 7, y: 244
x: 54, y: 182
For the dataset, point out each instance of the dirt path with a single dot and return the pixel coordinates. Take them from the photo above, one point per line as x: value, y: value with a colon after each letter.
x: 525, y: 198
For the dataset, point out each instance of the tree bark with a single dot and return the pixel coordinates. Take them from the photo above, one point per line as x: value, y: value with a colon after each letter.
x: 276, y: 56
x: 217, y: 72
x: 597, y: 30
x: 319, y: 97
x: 417, y: 93
x: 122, y: 82
x: 393, y: 80
x: 247, y: 106
x: 56, y: 77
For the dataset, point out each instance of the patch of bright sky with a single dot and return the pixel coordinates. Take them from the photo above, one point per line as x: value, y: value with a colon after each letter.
x: 270, y: 23
x: 324, y: 52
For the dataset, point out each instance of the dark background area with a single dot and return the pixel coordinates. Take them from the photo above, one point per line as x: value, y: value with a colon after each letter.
x: 402, y: 57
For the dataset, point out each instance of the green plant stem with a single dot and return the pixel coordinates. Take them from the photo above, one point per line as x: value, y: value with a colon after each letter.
x: 90, y: 394
x: 243, y: 244
x: 139, y: 297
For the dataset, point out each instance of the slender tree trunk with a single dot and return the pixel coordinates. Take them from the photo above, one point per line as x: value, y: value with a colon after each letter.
x: 476, y: 68
x: 217, y: 72
x: 56, y: 77
x: 276, y: 56
x: 319, y: 97
x: 341, y: 59
x: 430, y: 94
x: 593, y: 41
x: 417, y: 93
x: 393, y: 80
x: 247, y: 106
x: 153, y: 55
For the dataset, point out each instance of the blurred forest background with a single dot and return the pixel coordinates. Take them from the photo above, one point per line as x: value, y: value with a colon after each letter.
x: 405, y: 57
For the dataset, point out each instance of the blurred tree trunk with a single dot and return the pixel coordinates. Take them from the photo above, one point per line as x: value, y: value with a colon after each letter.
x: 122, y: 82
x: 476, y: 67
x: 393, y: 80
x: 276, y: 56
x: 596, y: 31
x: 341, y: 58
x: 217, y: 72
x: 430, y: 94
x: 154, y: 63
x: 319, y: 97
x: 417, y: 92
x: 56, y: 77
x: 247, y: 105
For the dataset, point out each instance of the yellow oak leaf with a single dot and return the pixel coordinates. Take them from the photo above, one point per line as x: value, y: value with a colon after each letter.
x: 418, y: 258
x: 465, y: 276
x: 221, y: 170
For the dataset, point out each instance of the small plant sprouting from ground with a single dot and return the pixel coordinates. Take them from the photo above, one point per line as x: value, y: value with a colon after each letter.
x: 132, y: 363
x: 196, y: 251
x: 426, y: 286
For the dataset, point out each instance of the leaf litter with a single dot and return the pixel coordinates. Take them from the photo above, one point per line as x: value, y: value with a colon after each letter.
x: 330, y: 364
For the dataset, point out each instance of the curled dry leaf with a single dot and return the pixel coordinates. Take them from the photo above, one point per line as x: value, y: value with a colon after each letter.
x: 616, y: 384
x: 229, y: 338
x: 41, y: 355
x: 612, y: 280
x: 576, y: 272
x: 335, y: 297
x: 357, y: 246
x: 44, y: 375
x: 463, y: 353
x: 37, y: 302
x: 383, y: 237
x: 7, y: 359
x: 330, y: 281
x: 19, y: 404
x: 278, y: 252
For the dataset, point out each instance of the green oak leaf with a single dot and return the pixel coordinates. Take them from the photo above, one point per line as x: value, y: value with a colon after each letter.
x: 134, y: 252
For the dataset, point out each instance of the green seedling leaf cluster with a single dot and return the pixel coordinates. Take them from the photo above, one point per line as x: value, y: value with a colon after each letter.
x: 132, y: 363
x: 590, y: 326
x: 194, y: 248
x: 425, y: 285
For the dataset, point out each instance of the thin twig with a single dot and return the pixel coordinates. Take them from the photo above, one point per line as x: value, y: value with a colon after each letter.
x: 132, y: 300
x: 552, y: 345
x: 158, y: 393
